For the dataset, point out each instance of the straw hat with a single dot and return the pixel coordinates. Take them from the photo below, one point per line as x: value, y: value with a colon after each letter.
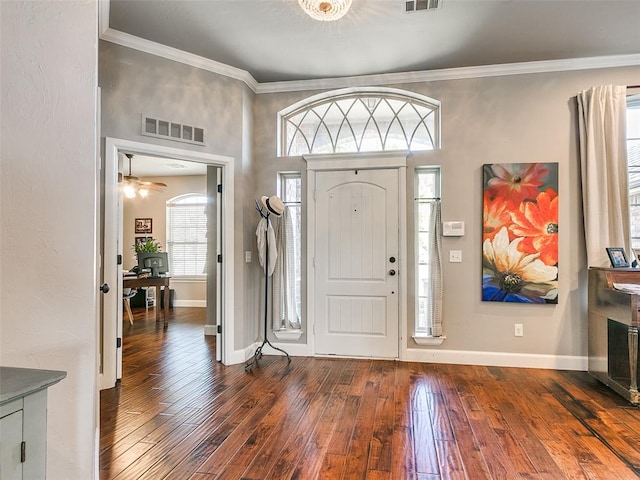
x: 273, y: 204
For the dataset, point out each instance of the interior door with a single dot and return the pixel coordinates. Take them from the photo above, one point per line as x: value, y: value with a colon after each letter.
x: 356, y: 252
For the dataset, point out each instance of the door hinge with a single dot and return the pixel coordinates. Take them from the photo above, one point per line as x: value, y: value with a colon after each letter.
x: 23, y: 452
x: 220, y: 258
x: 220, y: 329
x: 119, y: 260
x: 220, y: 188
x: 118, y: 342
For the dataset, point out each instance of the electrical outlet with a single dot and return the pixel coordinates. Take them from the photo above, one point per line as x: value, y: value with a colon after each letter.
x: 247, y: 256
x: 519, y: 330
x: 455, y: 256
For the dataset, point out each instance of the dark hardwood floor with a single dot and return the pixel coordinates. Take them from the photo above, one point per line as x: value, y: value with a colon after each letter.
x: 178, y: 414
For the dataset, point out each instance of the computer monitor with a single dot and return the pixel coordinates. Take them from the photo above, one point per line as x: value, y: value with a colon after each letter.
x: 155, y: 262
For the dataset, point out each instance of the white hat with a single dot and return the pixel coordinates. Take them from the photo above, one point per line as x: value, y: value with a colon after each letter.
x: 273, y: 204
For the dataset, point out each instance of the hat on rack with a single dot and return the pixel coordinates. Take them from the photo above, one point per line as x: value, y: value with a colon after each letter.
x: 273, y: 204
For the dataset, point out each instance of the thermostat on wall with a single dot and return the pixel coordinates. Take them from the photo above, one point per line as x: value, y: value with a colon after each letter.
x: 452, y: 229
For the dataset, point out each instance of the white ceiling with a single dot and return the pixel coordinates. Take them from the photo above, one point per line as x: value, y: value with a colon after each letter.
x: 145, y: 166
x: 275, y: 41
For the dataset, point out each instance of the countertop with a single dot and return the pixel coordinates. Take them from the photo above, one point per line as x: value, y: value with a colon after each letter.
x: 19, y: 382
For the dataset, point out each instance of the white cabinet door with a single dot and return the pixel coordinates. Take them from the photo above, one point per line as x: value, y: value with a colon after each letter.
x: 10, y: 446
x: 356, y: 239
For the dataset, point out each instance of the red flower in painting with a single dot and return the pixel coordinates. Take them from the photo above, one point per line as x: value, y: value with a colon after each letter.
x: 537, y: 223
x: 516, y: 181
x: 496, y: 214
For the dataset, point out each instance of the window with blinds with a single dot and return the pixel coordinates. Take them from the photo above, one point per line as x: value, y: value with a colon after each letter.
x: 187, y: 235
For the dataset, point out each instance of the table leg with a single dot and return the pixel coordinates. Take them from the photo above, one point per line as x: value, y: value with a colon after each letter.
x: 632, y: 338
x: 157, y: 306
x: 166, y: 305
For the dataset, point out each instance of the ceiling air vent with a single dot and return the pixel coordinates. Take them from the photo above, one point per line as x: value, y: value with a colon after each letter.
x: 153, y: 127
x: 421, y: 5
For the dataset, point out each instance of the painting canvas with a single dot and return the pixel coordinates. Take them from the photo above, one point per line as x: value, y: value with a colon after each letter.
x: 520, y: 233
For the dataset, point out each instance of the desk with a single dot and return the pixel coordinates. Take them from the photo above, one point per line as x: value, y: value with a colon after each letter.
x: 158, y: 282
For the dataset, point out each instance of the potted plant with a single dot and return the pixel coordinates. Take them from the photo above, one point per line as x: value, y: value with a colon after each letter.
x: 147, y: 245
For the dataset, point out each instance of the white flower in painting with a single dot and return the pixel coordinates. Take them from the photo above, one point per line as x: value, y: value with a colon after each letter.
x: 514, y: 276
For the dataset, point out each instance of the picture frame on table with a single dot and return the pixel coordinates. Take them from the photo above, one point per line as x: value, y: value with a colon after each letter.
x: 143, y: 225
x: 141, y: 240
x: 618, y: 257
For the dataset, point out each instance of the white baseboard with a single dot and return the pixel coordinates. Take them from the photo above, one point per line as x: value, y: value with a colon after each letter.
x: 458, y: 357
x: 293, y: 349
x: 497, y: 359
x: 190, y: 303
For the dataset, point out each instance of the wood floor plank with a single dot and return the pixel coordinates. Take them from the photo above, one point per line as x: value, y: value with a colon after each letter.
x: 179, y: 414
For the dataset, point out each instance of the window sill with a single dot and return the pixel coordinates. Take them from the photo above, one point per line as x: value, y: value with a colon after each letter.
x: 428, y: 341
x: 187, y: 278
x: 288, y: 334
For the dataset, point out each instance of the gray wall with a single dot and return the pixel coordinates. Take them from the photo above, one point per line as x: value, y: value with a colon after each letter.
x: 135, y: 83
x: 518, y: 118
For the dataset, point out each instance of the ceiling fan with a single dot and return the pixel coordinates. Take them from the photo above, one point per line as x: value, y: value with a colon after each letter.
x: 134, y: 186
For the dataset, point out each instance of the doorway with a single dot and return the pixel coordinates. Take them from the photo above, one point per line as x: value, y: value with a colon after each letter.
x: 356, y: 234
x: 110, y: 344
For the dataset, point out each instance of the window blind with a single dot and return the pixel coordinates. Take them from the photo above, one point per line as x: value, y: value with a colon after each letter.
x: 187, y: 235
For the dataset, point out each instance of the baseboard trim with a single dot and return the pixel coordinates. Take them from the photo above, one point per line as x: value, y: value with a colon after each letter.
x: 457, y: 357
x: 190, y: 303
x: 497, y: 359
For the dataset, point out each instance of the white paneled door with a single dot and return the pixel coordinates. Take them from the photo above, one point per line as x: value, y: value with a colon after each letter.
x: 356, y: 263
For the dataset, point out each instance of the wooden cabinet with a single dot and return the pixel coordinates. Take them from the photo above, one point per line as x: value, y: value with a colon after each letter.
x: 613, y: 330
x: 23, y: 421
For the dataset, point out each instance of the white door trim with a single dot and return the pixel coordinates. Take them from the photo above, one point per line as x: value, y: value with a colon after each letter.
x: 361, y: 161
x: 112, y: 147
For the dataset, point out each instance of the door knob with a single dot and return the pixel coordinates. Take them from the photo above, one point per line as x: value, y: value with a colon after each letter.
x: 392, y: 272
x: 104, y: 288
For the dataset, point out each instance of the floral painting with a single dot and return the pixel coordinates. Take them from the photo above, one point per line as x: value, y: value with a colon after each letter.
x: 520, y: 233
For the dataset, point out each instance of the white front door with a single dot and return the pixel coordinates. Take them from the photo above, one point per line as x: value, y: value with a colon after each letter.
x: 356, y: 263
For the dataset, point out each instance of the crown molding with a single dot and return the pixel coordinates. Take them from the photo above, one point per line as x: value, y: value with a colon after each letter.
x: 114, y: 36
x: 147, y: 46
x: 461, y: 73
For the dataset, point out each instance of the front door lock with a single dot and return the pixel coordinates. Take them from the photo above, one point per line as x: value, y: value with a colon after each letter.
x: 392, y: 272
x: 392, y: 259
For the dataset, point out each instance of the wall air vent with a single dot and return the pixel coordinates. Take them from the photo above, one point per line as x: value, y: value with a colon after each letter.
x: 153, y: 127
x: 411, y: 6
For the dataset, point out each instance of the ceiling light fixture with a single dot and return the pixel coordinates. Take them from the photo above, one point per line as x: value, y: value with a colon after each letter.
x: 325, y: 10
x: 133, y: 186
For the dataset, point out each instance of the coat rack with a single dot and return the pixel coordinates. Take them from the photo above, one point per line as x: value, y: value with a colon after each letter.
x: 264, y: 213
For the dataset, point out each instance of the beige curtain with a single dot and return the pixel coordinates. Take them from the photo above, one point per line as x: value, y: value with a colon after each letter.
x: 284, y: 309
x: 603, y: 162
x: 434, y: 307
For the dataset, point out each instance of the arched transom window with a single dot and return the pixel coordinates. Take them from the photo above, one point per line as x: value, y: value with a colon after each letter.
x: 362, y: 120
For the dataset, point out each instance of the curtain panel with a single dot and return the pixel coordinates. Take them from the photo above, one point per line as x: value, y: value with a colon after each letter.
x: 603, y: 164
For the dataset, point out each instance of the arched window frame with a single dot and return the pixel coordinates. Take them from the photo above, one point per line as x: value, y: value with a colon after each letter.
x: 320, y: 105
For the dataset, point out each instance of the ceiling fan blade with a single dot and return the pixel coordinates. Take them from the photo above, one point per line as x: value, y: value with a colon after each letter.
x: 152, y: 184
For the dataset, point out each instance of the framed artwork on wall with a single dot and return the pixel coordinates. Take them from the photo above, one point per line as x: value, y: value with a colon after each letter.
x: 618, y: 257
x: 520, y: 233
x: 143, y: 225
